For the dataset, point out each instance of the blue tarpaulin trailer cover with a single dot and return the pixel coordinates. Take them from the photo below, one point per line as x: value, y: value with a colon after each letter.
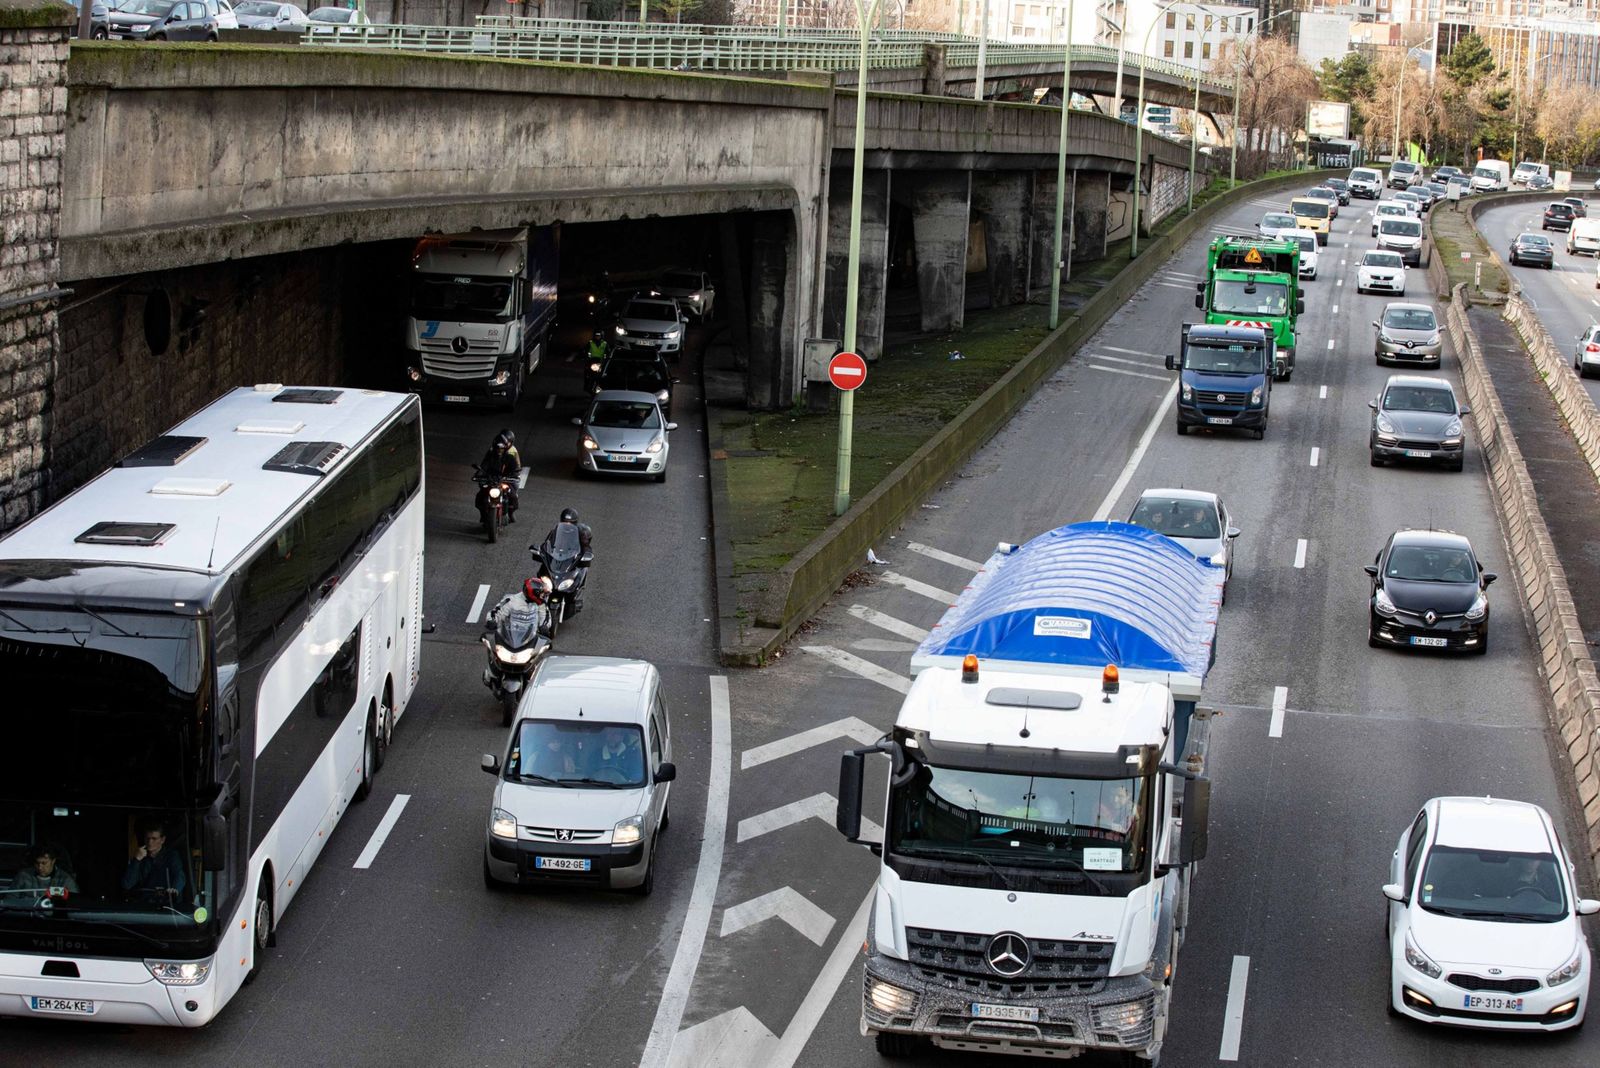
x: 1084, y: 596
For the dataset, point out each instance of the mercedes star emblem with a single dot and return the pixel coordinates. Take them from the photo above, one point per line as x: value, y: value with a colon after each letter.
x: 1430, y: 617
x: 458, y: 344
x: 563, y: 835
x: 1008, y: 955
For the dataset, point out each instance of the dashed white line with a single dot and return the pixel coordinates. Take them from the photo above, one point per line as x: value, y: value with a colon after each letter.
x: 522, y: 477
x: 550, y: 402
x: 1132, y: 465
x: 1336, y: 309
x: 1300, y: 553
x: 1129, y: 352
x: 1130, y: 374
x: 1119, y: 359
x: 933, y: 593
x: 1316, y: 453
x: 477, y: 603
x: 1330, y: 344
x: 1340, y: 282
x: 379, y: 836
x: 865, y: 668
x: 1322, y: 394
x: 887, y: 622
x: 1280, y: 703
x: 1233, y: 1014
x: 944, y: 557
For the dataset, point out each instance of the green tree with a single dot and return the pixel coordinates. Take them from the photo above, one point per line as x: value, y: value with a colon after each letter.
x: 1470, y: 62
x: 1349, y: 81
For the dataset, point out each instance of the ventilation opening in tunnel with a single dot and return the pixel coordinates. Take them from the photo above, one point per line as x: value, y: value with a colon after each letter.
x: 158, y: 321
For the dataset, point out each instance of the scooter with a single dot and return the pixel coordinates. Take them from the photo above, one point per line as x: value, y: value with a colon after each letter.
x: 566, y: 563
x: 516, y: 646
x: 491, y: 505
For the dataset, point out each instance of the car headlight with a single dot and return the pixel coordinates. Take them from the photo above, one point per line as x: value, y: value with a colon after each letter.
x: 1453, y: 429
x: 1255, y: 395
x: 620, y: 329
x: 662, y: 395
x: 589, y: 443
x: 594, y: 367
x: 1385, y: 339
x: 629, y: 832
x: 179, y: 972
x: 1568, y: 971
x: 566, y: 584
x: 655, y: 446
x: 1382, y: 604
x: 1418, y: 960
x: 502, y: 824
x: 1436, y: 338
x: 1480, y: 607
x: 695, y: 297
x: 1188, y: 392
x: 1384, y: 425
x: 143, y: 28
x: 512, y: 656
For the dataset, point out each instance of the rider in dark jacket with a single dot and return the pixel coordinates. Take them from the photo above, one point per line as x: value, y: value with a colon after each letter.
x: 502, y: 461
x: 585, y: 539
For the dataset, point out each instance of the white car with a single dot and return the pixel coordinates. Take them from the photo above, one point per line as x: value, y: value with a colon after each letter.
x: 1195, y: 519
x: 1413, y: 202
x: 1307, y: 240
x: 1391, y: 208
x: 1277, y: 223
x: 1383, y: 270
x: 1483, y: 925
x: 1586, y: 357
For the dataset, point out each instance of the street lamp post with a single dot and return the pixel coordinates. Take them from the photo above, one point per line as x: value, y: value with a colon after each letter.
x: 1138, y: 126
x: 1399, y: 95
x: 865, y: 18
x: 983, y: 48
x: 1194, y: 116
x: 1061, y: 173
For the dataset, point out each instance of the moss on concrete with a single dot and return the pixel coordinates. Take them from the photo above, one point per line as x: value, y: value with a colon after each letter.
x: 35, y: 14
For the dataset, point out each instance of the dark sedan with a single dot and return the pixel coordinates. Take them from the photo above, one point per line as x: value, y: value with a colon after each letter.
x: 1532, y: 250
x: 1429, y: 590
x: 1340, y: 186
x: 1417, y: 418
x: 1558, y: 216
x: 638, y: 373
x: 165, y: 20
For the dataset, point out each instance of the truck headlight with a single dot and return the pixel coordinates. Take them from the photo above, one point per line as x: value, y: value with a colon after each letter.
x: 1188, y: 392
x: 889, y: 999
x: 502, y: 824
x: 1418, y: 960
x: 1568, y: 971
x: 1255, y: 395
x: 1382, y: 604
x: 414, y: 373
x: 500, y: 378
x: 179, y: 972
x: 512, y: 656
x: 629, y: 832
x: 1479, y: 609
x: 1129, y: 1016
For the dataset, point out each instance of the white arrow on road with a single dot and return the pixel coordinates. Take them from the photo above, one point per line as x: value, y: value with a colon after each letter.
x: 733, y: 1038
x: 784, y: 904
x: 817, y: 806
x: 849, y: 727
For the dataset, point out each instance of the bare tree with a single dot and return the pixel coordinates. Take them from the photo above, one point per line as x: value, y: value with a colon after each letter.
x: 1275, y: 86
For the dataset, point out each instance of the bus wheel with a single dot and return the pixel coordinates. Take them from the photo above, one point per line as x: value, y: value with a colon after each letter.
x: 385, y: 732
x: 369, y: 755
x: 262, y: 936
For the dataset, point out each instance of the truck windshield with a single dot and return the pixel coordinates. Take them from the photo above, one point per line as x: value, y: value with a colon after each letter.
x: 1249, y: 297
x: 1081, y: 830
x: 1310, y: 209
x: 1234, y: 359
x: 460, y: 297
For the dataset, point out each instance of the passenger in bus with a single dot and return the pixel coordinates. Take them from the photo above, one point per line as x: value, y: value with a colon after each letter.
x: 155, y: 869
x: 46, y: 874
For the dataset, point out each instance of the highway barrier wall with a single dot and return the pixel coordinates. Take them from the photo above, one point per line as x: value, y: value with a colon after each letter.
x: 1577, y: 408
x: 805, y: 583
x: 1568, y: 669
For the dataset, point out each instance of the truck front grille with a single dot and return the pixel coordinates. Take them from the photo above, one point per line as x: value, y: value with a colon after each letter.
x: 1054, y: 967
x: 439, y: 360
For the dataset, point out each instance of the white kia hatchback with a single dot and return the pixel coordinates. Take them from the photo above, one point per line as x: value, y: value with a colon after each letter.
x: 1483, y: 925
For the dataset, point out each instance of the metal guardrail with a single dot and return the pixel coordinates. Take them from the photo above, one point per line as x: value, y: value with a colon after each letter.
x: 621, y: 44
x: 624, y: 25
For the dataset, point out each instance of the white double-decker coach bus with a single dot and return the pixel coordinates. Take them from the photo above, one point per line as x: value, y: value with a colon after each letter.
x: 202, y: 655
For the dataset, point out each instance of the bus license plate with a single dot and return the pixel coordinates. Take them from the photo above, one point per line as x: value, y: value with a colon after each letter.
x: 1437, y: 643
x: 73, y: 1006
x: 561, y: 863
x: 1220, y: 420
x: 1024, y: 1013
x: 456, y: 398
x: 1491, y: 1003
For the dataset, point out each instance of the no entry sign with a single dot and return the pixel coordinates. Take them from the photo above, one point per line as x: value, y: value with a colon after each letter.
x: 847, y: 370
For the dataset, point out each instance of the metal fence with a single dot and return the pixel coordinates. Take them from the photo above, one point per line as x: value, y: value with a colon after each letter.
x: 714, y: 48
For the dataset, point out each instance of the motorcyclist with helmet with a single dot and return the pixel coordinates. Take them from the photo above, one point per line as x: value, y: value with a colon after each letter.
x: 585, y: 539
x: 532, y: 598
x: 502, y: 462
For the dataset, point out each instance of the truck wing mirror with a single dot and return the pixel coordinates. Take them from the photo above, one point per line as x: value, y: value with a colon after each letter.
x: 1196, y: 835
x: 1200, y: 300
x: 847, y: 817
x: 1199, y: 287
x: 214, y: 841
x: 1173, y: 363
x: 1299, y: 305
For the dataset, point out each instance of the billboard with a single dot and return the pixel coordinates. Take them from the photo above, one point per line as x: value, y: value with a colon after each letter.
x: 1328, y: 118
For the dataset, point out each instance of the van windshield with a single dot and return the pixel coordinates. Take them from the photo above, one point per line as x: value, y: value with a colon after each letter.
x: 1364, y: 176
x: 1486, y: 172
x: 1310, y: 209
x: 580, y: 754
x: 1225, y: 359
x: 1400, y: 228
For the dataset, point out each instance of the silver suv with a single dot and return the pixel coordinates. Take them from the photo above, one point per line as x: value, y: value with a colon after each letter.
x: 1408, y: 333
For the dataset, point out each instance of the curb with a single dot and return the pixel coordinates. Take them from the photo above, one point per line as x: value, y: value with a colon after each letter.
x: 806, y: 582
x: 1568, y: 669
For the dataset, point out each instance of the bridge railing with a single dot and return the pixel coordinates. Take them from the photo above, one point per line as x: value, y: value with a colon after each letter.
x: 622, y: 44
x: 841, y: 33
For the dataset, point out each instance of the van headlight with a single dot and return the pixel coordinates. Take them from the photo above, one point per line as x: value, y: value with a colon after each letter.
x: 502, y: 824
x: 179, y: 972
x: 1480, y: 608
x: 1382, y: 604
x: 629, y: 832
x: 1255, y: 395
x: 1188, y: 392
x: 1568, y: 971
x: 1419, y: 960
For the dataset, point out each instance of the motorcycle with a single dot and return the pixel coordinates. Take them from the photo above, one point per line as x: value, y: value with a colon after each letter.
x: 516, y: 647
x: 565, y: 563
x: 491, y: 504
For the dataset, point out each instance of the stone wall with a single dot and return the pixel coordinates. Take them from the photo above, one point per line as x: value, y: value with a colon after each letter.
x: 33, y: 104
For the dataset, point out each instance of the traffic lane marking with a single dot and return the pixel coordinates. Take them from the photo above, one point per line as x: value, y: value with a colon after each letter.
x: 1130, y: 374
x: 944, y: 557
x: 865, y: 668
x: 887, y: 622
x: 1117, y: 359
x: 1128, y: 469
x: 1315, y: 455
x: 1233, y: 1013
x: 783, y: 904
x: 816, y: 807
x: 476, y: 611
x: 1280, y: 703
x: 933, y: 593
x: 381, y: 833
x: 1300, y: 553
x: 861, y: 732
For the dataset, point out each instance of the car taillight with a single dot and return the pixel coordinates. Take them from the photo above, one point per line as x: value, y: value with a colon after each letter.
x: 1591, y: 347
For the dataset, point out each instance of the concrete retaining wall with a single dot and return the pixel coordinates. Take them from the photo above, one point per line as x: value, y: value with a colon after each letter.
x: 1576, y: 406
x: 803, y: 585
x: 1568, y: 669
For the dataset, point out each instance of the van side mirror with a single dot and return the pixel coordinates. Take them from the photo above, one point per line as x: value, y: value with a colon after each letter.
x: 214, y: 841
x: 667, y: 771
x: 1233, y: 532
x: 1173, y: 363
x: 1196, y: 834
x: 490, y: 763
x: 1587, y: 907
x: 847, y: 816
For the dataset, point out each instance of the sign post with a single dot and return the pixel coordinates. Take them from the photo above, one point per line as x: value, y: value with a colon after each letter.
x: 846, y: 371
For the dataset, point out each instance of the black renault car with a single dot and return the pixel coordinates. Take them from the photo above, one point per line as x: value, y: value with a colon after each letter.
x: 638, y: 372
x: 1429, y: 591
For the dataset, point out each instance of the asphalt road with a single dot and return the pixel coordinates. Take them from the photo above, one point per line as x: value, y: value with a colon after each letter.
x: 1567, y: 296
x: 412, y: 962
